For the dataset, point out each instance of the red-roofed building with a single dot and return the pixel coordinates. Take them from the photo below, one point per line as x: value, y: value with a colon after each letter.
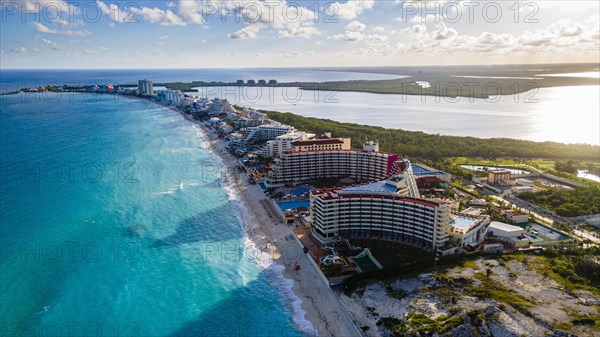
x: 324, y: 142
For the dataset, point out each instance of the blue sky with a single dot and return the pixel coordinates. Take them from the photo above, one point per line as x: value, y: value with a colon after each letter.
x: 280, y: 33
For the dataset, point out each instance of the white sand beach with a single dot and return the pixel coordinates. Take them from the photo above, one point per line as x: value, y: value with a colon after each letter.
x: 321, y: 306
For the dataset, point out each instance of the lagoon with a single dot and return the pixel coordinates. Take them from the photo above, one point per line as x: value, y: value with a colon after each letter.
x: 559, y: 114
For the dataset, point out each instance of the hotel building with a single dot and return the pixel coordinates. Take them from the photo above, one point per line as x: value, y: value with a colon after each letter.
x: 145, y: 88
x: 294, y: 167
x: 323, y: 143
x: 283, y: 143
x: 393, y: 210
x: 267, y: 132
x: 387, y: 210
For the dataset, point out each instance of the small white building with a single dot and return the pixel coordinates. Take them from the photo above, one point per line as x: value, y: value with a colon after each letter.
x: 493, y: 248
x: 468, y: 230
x: 371, y: 146
x: 517, y: 217
x: 478, y: 202
x: 504, y: 230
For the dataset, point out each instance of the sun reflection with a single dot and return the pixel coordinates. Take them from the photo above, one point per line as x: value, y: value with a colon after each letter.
x: 567, y: 114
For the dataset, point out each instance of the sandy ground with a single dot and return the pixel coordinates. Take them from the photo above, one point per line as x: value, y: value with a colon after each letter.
x: 551, y: 305
x: 320, y: 304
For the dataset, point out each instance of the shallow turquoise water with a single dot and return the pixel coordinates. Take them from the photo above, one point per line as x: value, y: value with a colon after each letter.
x: 113, y: 220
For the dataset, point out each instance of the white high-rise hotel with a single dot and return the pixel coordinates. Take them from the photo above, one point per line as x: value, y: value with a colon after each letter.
x: 145, y: 88
x: 385, y: 210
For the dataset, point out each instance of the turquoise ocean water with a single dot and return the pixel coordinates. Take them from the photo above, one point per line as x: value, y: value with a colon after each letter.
x: 114, y: 222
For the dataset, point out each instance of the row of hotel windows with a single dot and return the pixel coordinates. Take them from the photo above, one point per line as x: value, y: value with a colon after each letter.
x: 374, y: 217
x: 405, y: 223
x: 322, y: 161
x: 405, y: 226
x: 384, y: 235
x: 400, y: 208
x: 367, y: 205
x: 388, y: 228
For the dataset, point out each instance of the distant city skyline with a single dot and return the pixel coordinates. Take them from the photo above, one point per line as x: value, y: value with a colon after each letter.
x: 230, y: 34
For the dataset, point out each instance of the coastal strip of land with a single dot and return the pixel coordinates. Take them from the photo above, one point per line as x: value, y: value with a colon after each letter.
x: 321, y: 305
x: 450, y: 81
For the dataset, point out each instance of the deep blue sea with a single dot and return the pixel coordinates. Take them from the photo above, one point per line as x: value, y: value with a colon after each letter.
x: 114, y: 222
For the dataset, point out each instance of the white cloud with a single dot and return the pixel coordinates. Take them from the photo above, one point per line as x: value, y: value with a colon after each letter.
x: 378, y: 29
x: 561, y: 37
x: 348, y: 36
x: 190, y: 12
x: 350, y: 9
x: 302, y: 32
x: 114, y: 12
x: 50, y: 43
x: 67, y: 32
x: 443, y: 32
x: 248, y: 32
x: 43, y: 29
x: 376, y: 38
x: 288, y: 20
x: 356, y: 26
x: 161, y: 17
x: 354, y: 32
x: 187, y: 12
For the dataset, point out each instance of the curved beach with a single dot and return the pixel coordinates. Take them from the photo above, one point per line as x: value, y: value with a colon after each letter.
x: 320, y: 311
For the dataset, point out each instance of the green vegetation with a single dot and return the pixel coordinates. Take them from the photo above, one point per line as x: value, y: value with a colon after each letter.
x: 592, y: 321
x: 572, y: 268
x: 497, y: 292
x: 420, y: 323
x: 419, y: 145
x: 565, y: 166
x: 452, y: 165
x: 575, y: 202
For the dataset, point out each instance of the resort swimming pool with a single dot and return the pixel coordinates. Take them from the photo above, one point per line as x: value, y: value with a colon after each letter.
x: 462, y: 222
x: 300, y: 191
x: 294, y: 204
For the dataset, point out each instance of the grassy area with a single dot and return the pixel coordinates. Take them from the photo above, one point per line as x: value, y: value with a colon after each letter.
x: 470, y: 264
x: 497, y: 292
x: 563, y: 266
x: 420, y: 323
x: 562, y: 271
x: 592, y: 321
x: 544, y: 165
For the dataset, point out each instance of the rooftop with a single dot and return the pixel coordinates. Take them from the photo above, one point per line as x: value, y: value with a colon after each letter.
x: 325, y: 141
x: 422, y: 171
x: 499, y: 170
x: 380, y: 186
x: 504, y: 226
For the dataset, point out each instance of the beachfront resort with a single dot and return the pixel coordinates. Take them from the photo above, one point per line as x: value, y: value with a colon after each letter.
x: 330, y: 193
x: 361, y: 216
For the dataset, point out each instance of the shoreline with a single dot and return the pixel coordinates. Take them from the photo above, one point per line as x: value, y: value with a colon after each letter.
x: 319, y: 305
